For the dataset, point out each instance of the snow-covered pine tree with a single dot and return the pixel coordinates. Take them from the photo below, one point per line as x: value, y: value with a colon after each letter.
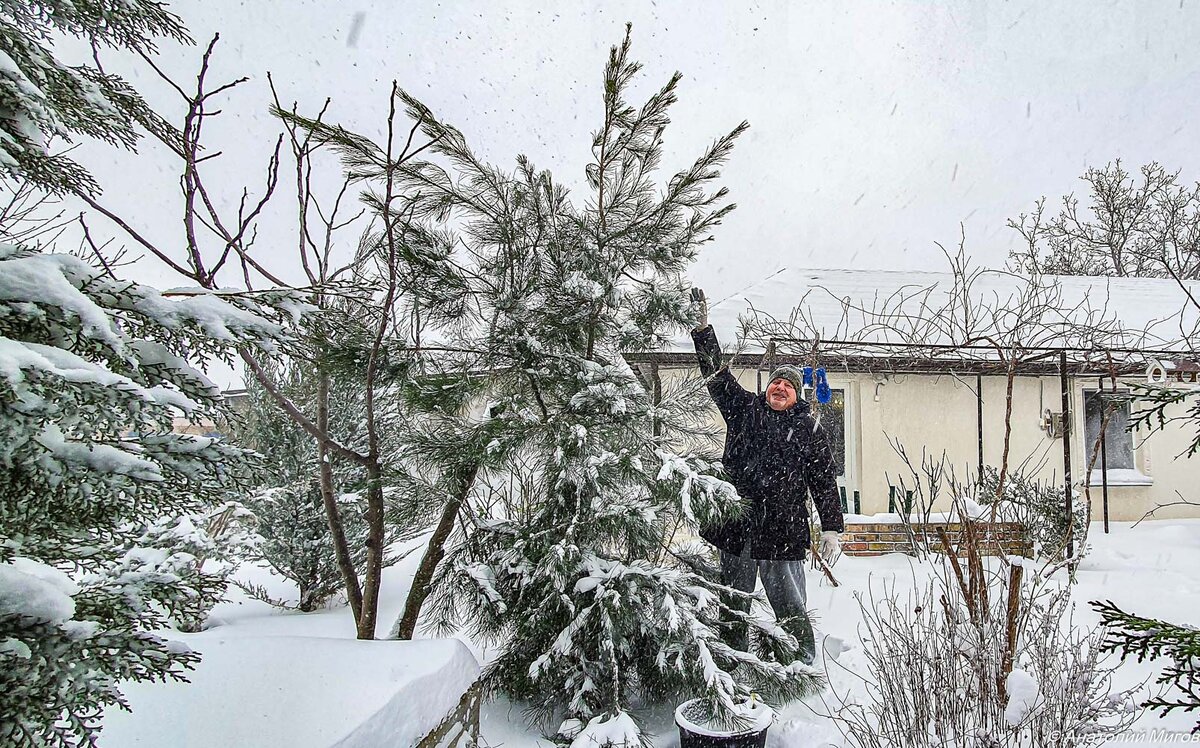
x: 94, y: 371
x: 106, y: 514
x: 44, y: 98
x: 201, y: 550
x: 572, y: 571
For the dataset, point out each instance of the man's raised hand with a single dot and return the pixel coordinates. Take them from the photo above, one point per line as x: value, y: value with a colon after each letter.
x: 700, y: 304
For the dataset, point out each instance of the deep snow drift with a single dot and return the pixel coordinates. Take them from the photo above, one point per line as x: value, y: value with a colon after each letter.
x: 271, y: 678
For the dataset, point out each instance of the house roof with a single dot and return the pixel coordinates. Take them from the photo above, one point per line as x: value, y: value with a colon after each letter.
x: 900, y: 307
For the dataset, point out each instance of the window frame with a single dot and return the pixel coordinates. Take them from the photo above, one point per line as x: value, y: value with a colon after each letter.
x: 849, y: 480
x: 844, y: 476
x: 1116, y: 476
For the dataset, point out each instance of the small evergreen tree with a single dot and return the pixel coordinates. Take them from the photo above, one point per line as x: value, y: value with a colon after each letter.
x: 290, y: 516
x: 200, y: 550
x: 295, y: 543
x: 572, y: 571
x: 101, y: 501
x: 1038, y: 506
x: 522, y: 412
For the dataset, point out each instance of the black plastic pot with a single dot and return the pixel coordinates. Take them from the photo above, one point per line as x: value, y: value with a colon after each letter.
x: 694, y: 736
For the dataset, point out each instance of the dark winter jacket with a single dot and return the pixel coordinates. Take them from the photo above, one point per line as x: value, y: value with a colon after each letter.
x: 774, y: 459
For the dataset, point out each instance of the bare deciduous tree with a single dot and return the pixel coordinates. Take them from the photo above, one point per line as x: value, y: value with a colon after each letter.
x: 359, y: 301
x: 1140, y: 225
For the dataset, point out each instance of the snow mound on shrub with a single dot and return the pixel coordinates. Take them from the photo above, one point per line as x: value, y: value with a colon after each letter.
x: 1023, y: 694
x: 300, y: 692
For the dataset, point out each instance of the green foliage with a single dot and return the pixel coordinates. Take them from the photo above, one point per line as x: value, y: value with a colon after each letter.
x: 194, y: 556
x: 1038, y: 506
x: 104, y: 507
x: 43, y: 98
x: 57, y: 678
x: 112, y: 524
x: 1147, y: 638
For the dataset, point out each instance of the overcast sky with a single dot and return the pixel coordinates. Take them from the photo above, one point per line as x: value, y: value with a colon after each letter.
x: 877, y: 128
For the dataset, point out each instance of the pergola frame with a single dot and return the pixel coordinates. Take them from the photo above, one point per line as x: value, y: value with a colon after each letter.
x: 855, y: 356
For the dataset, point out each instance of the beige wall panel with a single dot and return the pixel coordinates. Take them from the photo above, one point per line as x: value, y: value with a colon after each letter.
x: 932, y: 416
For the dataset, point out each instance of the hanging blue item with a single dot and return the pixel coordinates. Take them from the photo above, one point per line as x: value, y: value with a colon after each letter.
x: 808, y: 377
x: 824, y: 394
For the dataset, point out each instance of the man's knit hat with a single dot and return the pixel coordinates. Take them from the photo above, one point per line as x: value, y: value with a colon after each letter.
x: 791, y: 374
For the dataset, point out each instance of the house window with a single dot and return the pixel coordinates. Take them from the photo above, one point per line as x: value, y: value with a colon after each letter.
x: 833, y: 419
x: 1118, y: 441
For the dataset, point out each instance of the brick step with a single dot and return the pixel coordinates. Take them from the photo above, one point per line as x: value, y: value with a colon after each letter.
x: 948, y: 526
x: 877, y: 538
x: 1023, y: 551
x: 903, y: 536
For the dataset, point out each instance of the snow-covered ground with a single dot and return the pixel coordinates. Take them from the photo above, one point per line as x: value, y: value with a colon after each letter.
x: 322, y: 681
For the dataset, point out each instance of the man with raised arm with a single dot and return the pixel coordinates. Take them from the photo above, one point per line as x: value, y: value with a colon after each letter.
x: 776, y: 454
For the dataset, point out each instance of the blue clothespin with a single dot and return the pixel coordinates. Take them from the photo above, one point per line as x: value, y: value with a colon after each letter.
x: 824, y: 394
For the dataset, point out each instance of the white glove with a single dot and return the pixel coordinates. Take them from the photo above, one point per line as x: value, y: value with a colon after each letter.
x: 700, y: 306
x: 831, y: 547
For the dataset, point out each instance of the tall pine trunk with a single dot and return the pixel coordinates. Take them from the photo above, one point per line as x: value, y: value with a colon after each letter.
x: 422, y: 583
x: 337, y: 530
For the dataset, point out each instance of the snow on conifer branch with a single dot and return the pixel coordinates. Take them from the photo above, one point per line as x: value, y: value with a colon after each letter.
x: 42, y: 98
x: 95, y: 481
x: 572, y: 566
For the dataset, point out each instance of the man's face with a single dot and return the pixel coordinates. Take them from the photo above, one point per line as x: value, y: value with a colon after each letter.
x: 781, y: 395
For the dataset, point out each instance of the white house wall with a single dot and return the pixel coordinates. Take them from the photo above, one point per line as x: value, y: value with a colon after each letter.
x: 937, y: 414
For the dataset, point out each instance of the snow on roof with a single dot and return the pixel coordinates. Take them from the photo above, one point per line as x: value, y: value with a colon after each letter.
x: 1157, y: 310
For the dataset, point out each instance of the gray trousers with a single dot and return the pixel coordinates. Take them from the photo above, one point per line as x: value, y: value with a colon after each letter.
x: 783, y: 581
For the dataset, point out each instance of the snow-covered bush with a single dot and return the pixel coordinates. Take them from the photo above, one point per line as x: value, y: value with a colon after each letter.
x: 935, y: 677
x: 982, y: 657
x: 194, y: 556
x: 1038, y: 507
x: 101, y: 501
